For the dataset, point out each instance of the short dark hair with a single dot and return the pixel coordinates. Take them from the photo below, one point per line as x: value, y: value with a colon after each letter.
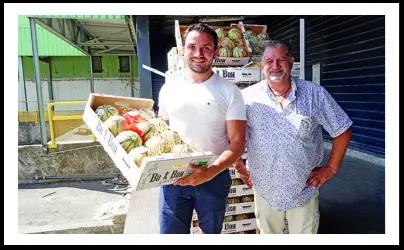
x: 203, y: 28
x: 277, y: 43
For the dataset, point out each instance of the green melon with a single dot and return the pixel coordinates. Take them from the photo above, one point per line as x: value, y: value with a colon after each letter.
x: 156, y: 146
x: 221, y: 33
x: 159, y: 125
x: 241, y: 217
x: 228, y: 43
x: 239, y: 52
x: 228, y: 218
x: 181, y: 149
x: 146, y: 114
x: 147, y: 129
x: 171, y: 138
x: 129, y: 140
x: 247, y: 198
x: 225, y: 52
x: 249, y: 34
x: 263, y: 36
x: 137, y: 155
x: 233, y: 200
x: 106, y: 111
x: 115, y: 124
x: 234, y: 34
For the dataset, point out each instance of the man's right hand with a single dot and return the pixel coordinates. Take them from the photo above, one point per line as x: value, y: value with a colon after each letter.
x: 241, y: 168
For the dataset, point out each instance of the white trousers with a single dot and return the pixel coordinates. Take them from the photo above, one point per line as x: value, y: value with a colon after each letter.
x: 300, y: 220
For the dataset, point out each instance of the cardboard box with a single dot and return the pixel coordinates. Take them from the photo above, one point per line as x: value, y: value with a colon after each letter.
x: 231, y: 61
x: 255, y: 28
x: 240, y: 190
x: 219, y: 61
x: 174, y: 60
x: 296, y: 70
x: 232, y: 226
x: 247, y: 74
x: 233, y: 173
x: 239, y: 208
x: 154, y: 171
x: 233, y: 209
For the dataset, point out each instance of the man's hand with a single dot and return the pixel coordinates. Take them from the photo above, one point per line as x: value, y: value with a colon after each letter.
x: 319, y: 176
x: 243, y: 172
x: 199, y: 175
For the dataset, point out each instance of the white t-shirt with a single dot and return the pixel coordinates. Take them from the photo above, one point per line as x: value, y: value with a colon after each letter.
x: 199, y: 111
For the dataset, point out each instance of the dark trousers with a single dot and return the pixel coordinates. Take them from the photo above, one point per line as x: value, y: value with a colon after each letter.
x: 208, y: 199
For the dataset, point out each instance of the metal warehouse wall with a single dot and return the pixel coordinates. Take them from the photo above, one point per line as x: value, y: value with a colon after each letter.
x: 351, y: 51
x: 78, y: 67
x: 160, y: 44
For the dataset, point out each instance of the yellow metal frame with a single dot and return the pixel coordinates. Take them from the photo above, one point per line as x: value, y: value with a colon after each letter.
x: 53, y: 117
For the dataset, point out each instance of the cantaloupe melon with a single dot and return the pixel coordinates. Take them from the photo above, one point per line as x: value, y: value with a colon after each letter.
x: 106, y: 111
x: 129, y: 140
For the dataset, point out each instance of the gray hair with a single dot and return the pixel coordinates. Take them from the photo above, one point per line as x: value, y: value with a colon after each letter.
x: 276, y: 44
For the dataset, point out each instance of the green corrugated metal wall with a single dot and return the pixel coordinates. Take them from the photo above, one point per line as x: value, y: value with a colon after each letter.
x: 76, y: 67
x: 66, y: 60
x: 48, y: 43
x: 103, y: 17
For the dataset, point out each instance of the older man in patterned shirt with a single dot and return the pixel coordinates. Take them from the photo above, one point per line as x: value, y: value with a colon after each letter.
x: 285, y: 144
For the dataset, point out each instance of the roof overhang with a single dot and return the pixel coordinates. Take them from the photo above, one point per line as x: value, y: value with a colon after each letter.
x: 94, y: 36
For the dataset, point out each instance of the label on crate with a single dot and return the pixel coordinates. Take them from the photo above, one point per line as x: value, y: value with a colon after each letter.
x: 248, y: 74
x: 231, y: 61
x: 240, y: 208
x: 240, y: 190
x: 234, y: 209
x: 233, y: 173
x: 241, y: 225
x: 232, y: 226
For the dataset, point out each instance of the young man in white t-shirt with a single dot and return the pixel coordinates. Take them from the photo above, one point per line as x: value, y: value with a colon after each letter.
x: 208, y: 113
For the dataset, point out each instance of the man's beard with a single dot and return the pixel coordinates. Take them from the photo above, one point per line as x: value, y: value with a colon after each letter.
x: 200, y: 68
x: 277, y: 78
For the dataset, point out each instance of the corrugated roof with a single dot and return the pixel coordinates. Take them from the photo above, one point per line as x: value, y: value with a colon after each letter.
x: 48, y: 43
x: 103, y: 17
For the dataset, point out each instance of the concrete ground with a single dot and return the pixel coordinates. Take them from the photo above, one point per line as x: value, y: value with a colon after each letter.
x: 352, y: 203
x: 72, y: 207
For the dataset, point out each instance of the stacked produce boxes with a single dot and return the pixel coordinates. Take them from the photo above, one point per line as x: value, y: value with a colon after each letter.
x: 239, y: 215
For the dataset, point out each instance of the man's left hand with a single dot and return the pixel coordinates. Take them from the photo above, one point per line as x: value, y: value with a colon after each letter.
x: 319, y: 176
x: 199, y: 175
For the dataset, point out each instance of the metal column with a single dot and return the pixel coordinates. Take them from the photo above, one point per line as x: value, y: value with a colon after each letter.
x: 50, y: 85
x: 302, y: 34
x: 91, y: 75
x: 37, y: 73
x: 132, y: 91
x: 22, y: 81
x: 143, y: 53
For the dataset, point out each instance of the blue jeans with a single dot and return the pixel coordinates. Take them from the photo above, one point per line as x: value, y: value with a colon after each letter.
x: 208, y: 199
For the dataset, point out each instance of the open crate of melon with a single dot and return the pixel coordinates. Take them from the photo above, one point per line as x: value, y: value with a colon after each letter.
x: 234, y: 49
x: 142, y: 146
x: 256, y: 35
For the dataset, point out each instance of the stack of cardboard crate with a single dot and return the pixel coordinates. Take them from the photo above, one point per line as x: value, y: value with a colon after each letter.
x: 239, y: 215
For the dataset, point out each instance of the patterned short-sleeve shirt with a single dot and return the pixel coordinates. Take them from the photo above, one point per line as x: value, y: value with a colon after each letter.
x: 283, y: 146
